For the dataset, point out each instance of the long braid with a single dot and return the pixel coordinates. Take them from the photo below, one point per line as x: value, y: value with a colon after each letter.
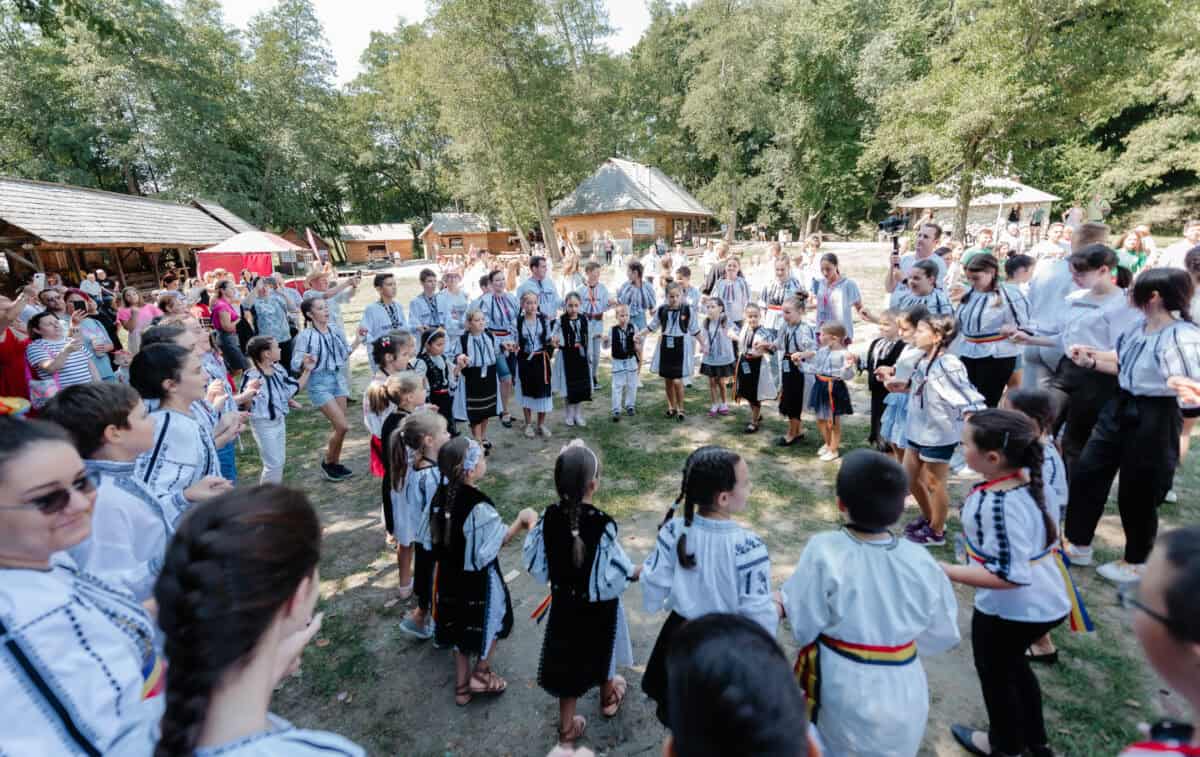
x: 708, y: 472
x: 1033, y: 460
x: 686, y: 560
x: 235, y: 560
x: 450, y: 465
x: 574, y: 470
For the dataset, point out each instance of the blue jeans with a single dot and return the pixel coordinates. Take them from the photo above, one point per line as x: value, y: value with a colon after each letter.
x: 227, y: 457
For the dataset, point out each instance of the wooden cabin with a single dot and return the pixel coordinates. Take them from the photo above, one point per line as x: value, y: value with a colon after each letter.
x: 635, y: 203
x: 71, y: 230
x: 453, y: 234
x: 378, y: 243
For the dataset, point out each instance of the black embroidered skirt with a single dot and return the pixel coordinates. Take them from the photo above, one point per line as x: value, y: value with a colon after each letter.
x: 578, y: 647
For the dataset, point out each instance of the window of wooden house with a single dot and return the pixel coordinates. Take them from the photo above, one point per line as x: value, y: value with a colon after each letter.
x: 456, y: 243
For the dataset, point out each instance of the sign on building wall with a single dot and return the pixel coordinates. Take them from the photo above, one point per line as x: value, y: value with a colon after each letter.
x: 643, y: 227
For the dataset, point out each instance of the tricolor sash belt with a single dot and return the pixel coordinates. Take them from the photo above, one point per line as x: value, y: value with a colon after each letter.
x: 1080, y: 620
x: 808, y: 663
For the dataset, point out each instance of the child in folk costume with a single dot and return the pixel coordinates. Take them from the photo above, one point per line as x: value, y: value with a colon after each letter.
x: 638, y: 296
x: 625, y: 346
x: 893, y: 424
x: 424, y: 311
x: 185, y: 449
x: 753, y: 377
x: 989, y: 314
x: 574, y: 547
x: 472, y: 605
x: 272, y: 402
x: 535, y: 354
x: 674, y: 356
x: 883, y: 352
x: 500, y: 311
x: 452, y: 303
x: 795, y: 343
x: 775, y: 293
x: 596, y: 303
x: 704, y: 562
x: 390, y: 353
x: 940, y: 396
x: 572, y: 369
x: 414, y: 448
x: 862, y: 603
x: 438, y: 370
x: 131, y: 525
x: 327, y: 386
x: 720, y: 359
x: 382, y: 316
x: 1009, y: 548
x: 832, y: 367
x: 1039, y: 406
x: 838, y: 297
x: 252, y: 629
x: 691, y: 297
x: 477, y: 400
x: 406, y: 392
x: 1166, y: 621
x: 733, y: 291
x: 722, y: 664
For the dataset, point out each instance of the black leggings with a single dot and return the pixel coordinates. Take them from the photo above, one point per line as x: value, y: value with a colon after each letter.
x: 1010, y: 689
x: 989, y: 375
x: 1081, y: 394
x: 1138, y: 436
x: 423, y: 564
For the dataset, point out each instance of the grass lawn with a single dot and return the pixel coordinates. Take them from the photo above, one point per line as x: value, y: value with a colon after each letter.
x: 365, y: 680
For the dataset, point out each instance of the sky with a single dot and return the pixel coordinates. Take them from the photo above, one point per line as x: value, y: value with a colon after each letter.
x: 349, y: 23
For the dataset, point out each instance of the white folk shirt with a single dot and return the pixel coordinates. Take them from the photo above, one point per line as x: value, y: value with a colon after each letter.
x: 980, y: 318
x: 74, y: 644
x: 1146, y: 361
x: 280, y: 739
x: 1096, y: 322
x: 880, y: 593
x: 1007, y: 529
x: 939, y: 396
x: 732, y: 573
x: 836, y: 303
x: 548, y: 301
x: 183, y: 453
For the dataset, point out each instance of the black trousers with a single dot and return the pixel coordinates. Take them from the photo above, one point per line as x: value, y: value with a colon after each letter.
x: 285, y: 354
x: 1081, y: 394
x: 386, y: 498
x: 423, y: 564
x: 989, y: 375
x: 1010, y: 689
x: 877, y: 408
x: 1138, y: 436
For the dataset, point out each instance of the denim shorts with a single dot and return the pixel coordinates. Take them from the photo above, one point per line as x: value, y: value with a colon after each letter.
x: 506, y: 365
x: 939, y: 453
x: 324, y: 386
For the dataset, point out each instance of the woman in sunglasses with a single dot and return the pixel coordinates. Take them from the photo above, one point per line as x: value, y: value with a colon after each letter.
x: 77, y: 660
x: 1167, y: 623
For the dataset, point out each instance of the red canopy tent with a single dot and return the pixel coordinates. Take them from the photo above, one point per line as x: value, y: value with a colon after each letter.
x: 251, y: 250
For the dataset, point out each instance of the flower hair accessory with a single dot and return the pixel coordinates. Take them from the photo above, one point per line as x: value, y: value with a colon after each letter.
x: 472, y: 457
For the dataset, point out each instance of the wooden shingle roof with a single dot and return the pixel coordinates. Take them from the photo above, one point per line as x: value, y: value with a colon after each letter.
x: 623, y: 185
x: 67, y: 215
x: 224, y: 215
x: 376, y: 232
x: 458, y: 223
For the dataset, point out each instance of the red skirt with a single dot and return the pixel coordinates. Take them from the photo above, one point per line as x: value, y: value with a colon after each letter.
x: 377, y: 469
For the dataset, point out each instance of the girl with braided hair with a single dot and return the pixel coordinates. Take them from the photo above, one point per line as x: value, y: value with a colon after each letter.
x: 1010, y: 546
x: 235, y: 600
x: 415, y: 446
x: 704, y: 562
x: 574, y: 547
x: 473, y: 608
x: 78, y: 653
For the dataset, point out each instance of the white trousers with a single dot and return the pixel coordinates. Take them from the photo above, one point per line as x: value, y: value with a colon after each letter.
x: 624, y: 390
x: 271, y: 437
x: 594, y: 352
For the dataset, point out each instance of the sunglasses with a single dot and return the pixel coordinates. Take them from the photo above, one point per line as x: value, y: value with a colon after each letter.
x: 56, y: 501
x: 1127, y: 597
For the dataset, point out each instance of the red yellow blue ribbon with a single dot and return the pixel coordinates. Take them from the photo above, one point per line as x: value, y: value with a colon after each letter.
x: 808, y: 663
x: 1079, y: 619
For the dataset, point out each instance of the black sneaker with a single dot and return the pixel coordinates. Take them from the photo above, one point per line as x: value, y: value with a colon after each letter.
x: 629, y: 411
x: 334, y: 472
x: 343, y: 470
x: 616, y: 416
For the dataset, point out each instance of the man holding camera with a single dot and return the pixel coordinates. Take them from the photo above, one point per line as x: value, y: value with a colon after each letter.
x: 896, y: 280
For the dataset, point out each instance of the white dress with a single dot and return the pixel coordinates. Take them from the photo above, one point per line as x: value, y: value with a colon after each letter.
x: 608, y: 580
x: 732, y: 573
x: 131, y: 527
x: 410, y: 506
x: 75, y: 660
x: 183, y: 453
x: 878, y: 593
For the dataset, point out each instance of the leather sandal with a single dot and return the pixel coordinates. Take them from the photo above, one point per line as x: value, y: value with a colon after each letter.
x: 462, y: 695
x: 569, y: 736
x: 493, y: 685
x: 610, y: 702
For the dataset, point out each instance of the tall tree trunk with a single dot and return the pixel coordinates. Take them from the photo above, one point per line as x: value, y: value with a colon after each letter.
x: 966, y: 188
x: 515, y: 220
x: 731, y: 230
x: 543, y: 208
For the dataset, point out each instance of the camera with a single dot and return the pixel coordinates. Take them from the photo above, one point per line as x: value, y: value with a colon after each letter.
x: 893, y: 224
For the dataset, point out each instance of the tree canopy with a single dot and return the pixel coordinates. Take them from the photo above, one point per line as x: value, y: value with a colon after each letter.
x: 783, y: 112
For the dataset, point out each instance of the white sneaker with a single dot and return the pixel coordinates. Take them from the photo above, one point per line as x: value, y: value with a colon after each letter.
x: 828, y: 456
x: 1120, y: 572
x: 1171, y: 497
x: 579, y: 421
x: 529, y: 431
x: 1078, y: 555
x: 821, y: 452
x: 569, y: 420
x: 545, y: 432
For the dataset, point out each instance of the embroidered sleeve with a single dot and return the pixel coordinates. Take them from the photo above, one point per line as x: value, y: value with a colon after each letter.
x: 658, y: 570
x: 533, y: 553
x: 484, y: 532
x: 953, y: 387
x: 611, y: 568
x: 754, y: 583
x: 1010, y: 544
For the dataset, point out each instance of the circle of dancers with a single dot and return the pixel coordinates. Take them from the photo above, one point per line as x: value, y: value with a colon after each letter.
x: 149, y: 607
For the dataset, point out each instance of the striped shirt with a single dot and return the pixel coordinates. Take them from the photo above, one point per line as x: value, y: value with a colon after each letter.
x: 76, y: 370
x: 328, y: 347
x: 1146, y: 361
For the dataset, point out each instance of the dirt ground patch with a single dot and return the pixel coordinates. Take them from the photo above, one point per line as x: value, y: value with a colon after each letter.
x: 394, y: 696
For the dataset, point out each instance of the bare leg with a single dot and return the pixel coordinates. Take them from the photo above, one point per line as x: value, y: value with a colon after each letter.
x: 916, y: 483
x: 541, y: 420
x: 477, y: 431
x: 483, y: 429
x: 835, y: 433
x: 939, y: 498
x: 566, y: 714
x: 335, y: 411
x: 528, y: 415
x: 404, y: 557
x: 712, y: 389
x: 506, y: 393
